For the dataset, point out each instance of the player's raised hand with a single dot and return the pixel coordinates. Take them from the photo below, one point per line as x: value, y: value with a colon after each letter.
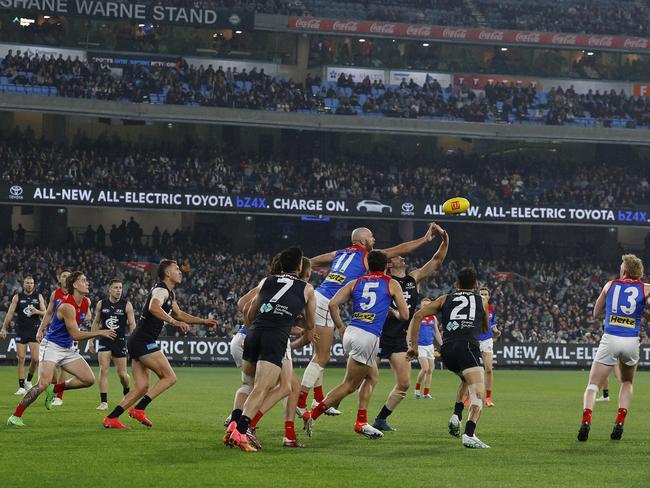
x: 39, y: 335
x: 429, y: 235
x: 210, y: 323
x: 108, y: 333
x: 3, y: 334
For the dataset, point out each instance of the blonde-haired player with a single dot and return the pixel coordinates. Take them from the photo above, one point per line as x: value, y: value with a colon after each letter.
x: 621, y: 305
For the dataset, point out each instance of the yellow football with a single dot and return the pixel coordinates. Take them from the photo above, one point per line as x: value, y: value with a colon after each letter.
x: 455, y: 205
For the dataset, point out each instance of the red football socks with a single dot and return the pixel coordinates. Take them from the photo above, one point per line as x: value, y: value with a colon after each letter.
x: 488, y: 393
x: 586, y: 415
x: 58, y: 388
x: 620, y: 418
x: 362, y: 416
x: 426, y: 391
x: 319, y: 410
x: 302, y: 399
x: 19, y: 410
x: 318, y: 393
x: 289, y: 430
x: 417, y: 386
x: 256, y: 419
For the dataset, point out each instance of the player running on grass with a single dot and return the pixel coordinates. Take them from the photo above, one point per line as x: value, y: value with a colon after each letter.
x: 346, y: 265
x: 58, y: 348
x: 621, y: 304
x: 28, y: 305
x: 372, y: 296
x: 463, y: 317
x: 279, y: 302
x: 144, y: 351
x: 114, y: 313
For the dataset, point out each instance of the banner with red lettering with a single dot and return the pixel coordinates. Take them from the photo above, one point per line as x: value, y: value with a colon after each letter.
x: 642, y: 90
x: 461, y: 34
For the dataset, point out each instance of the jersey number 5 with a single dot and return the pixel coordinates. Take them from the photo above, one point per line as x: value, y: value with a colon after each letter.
x: 369, y: 295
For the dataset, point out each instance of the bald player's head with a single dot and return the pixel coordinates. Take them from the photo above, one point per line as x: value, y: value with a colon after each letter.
x: 363, y: 237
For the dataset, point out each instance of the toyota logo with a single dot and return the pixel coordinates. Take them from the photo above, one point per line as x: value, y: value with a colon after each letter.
x: 407, y: 207
x: 16, y: 191
x: 234, y: 19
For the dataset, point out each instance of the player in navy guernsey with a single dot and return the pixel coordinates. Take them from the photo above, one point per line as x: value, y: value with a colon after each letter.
x: 58, y: 347
x: 486, y: 345
x: 371, y: 297
x: 146, y: 356
x: 463, y: 316
x: 28, y: 306
x: 346, y: 265
x: 393, y: 344
x: 621, y: 305
x: 280, y: 301
x: 115, y: 313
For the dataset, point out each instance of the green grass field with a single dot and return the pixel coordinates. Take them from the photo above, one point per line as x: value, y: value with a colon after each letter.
x: 531, y: 430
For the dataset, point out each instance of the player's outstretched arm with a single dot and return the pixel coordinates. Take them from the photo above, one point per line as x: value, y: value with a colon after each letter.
x: 243, y: 301
x: 95, y: 325
x: 427, y: 309
x: 68, y: 315
x: 410, y: 246
x: 159, y: 296
x: 599, y: 306
x: 190, y: 319
x: 9, y: 316
x: 436, y: 261
x: 342, y: 296
x: 322, y: 259
x: 47, y: 318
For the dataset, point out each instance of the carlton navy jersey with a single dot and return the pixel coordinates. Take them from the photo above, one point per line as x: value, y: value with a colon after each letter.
x: 348, y: 265
x: 112, y: 316
x: 281, y: 300
x: 371, y: 302
x: 27, y: 319
x: 149, y: 327
x: 396, y: 329
x: 624, y: 308
x: 462, y: 316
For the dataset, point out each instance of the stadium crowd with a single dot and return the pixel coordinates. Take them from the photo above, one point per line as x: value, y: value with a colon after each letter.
x: 515, y: 178
x: 537, y: 300
x: 186, y: 84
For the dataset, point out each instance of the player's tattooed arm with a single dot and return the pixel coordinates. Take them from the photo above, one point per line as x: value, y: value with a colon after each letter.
x: 342, y: 296
x: 9, y: 316
x: 599, y: 307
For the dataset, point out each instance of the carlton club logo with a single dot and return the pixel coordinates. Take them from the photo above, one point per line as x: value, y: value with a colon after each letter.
x: 16, y: 192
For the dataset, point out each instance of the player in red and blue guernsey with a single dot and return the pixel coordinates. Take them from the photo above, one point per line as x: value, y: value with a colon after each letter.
x: 372, y: 296
x: 58, y: 347
x: 486, y: 345
x: 346, y: 265
x: 426, y: 352
x: 621, y: 305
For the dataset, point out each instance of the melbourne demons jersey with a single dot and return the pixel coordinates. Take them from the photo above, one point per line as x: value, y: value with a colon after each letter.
x: 462, y: 316
x: 112, y: 316
x: 491, y: 323
x: 27, y: 319
x: 58, y: 332
x: 426, y: 335
x: 59, y: 295
x: 371, y: 297
x: 348, y: 264
x: 624, y: 308
x: 282, y: 300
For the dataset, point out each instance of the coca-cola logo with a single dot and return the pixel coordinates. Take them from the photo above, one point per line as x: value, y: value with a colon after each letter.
x: 635, y: 43
x: 418, y: 31
x: 382, y: 28
x: 600, y: 41
x: 454, y: 33
x: 307, y: 23
x: 491, y: 35
x: 346, y: 26
x: 563, y: 39
x: 527, y: 37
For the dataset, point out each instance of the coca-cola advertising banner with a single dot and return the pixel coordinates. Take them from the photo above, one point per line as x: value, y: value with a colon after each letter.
x: 461, y: 34
x: 217, y: 352
x: 394, y: 209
